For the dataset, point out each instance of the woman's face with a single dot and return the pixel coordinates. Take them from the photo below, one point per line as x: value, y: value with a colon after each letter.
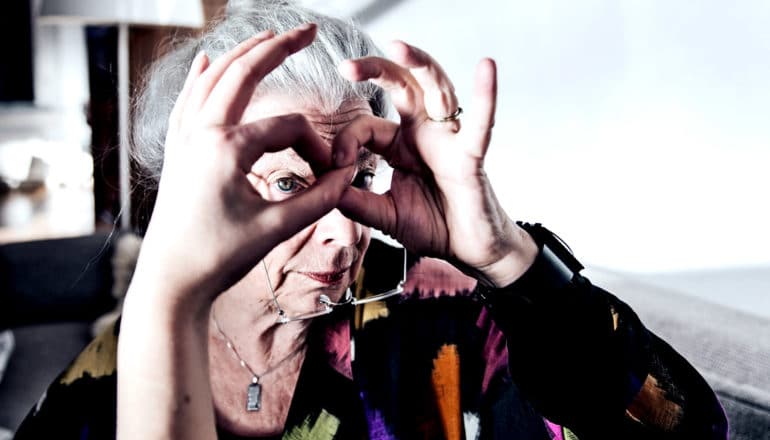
x: 325, y: 257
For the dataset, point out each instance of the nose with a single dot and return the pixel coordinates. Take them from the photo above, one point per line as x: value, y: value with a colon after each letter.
x: 336, y: 229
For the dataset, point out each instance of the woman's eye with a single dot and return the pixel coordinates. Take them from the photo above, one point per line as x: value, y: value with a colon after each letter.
x: 364, y: 180
x: 287, y: 185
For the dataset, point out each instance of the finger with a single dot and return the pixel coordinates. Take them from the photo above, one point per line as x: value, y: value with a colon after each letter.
x: 278, y: 133
x: 404, y: 90
x: 438, y: 90
x: 202, y: 88
x: 370, y: 209
x: 198, y: 65
x: 484, y: 102
x: 287, y: 217
x: 378, y: 135
x: 235, y: 90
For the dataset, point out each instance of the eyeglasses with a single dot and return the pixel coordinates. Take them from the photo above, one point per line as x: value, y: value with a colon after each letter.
x: 328, y: 306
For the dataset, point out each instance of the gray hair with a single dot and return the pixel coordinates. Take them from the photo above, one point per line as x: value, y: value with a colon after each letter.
x: 310, y: 76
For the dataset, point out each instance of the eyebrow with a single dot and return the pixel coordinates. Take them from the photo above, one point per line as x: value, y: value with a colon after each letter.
x: 332, y: 118
x: 297, y: 165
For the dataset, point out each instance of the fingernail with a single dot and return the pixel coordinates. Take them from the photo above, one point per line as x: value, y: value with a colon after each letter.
x: 306, y: 26
x: 351, y: 174
x: 338, y: 157
x: 348, y: 70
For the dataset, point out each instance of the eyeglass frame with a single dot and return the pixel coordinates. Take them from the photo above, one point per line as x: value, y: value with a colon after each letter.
x: 329, y: 305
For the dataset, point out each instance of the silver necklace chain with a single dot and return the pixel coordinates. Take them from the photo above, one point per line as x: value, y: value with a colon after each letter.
x: 255, y: 378
x: 254, y: 390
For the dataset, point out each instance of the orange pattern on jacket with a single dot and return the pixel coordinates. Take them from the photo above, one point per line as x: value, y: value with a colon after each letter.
x: 446, y: 385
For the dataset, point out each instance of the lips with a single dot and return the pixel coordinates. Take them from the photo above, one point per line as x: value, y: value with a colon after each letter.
x: 327, y: 277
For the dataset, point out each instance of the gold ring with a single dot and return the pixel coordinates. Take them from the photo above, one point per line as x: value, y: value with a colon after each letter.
x: 451, y: 118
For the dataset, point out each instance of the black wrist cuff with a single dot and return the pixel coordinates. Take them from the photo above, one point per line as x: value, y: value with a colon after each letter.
x: 553, y: 268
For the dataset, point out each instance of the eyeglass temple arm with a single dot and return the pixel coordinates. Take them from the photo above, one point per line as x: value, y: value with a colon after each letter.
x: 397, y: 291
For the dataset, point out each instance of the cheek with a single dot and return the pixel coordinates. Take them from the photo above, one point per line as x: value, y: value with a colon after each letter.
x: 289, y: 254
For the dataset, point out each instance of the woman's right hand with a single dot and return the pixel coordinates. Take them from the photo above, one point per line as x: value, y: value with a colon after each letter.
x: 210, y: 226
x: 208, y: 229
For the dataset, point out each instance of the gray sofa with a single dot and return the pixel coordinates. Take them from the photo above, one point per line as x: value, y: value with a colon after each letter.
x: 730, y: 348
x: 53, y: 290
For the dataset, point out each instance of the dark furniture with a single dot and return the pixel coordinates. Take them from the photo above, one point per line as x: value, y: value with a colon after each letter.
x: 51, y: 291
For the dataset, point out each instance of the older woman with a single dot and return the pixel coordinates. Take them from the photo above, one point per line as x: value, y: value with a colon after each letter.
x: 239, y: 321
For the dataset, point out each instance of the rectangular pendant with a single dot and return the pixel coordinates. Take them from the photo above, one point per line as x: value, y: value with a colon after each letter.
x: 254, y: 393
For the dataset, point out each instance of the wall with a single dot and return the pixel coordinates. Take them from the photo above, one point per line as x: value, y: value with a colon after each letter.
x: 637, y: 130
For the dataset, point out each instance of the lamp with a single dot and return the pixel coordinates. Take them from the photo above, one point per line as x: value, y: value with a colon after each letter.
x: 184, y: 13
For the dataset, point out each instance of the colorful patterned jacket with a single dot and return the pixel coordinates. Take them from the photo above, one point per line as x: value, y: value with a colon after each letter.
x: 530, y: 362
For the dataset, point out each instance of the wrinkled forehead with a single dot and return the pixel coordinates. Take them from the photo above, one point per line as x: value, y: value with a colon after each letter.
x: 290, y: 160
x: 326, y: 123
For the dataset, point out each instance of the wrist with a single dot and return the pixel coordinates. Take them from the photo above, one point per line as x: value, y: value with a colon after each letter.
x: 156, y: 292
x: 514, y: 263
x: 553, y: 268
x: 170, y: 281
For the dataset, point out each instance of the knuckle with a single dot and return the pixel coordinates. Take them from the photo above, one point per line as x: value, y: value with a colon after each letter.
x: 276, y: 52
x: 287, y: 48
x: 297, y: 121
x: 326, y: 200
x: 358, y: 120
x: 296, y: 118
x: 240, y: 68
x: 411, y: 97
x: 221, y: 137
x: 268, y: 222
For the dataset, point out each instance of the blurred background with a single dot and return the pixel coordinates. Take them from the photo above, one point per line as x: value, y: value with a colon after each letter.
x: 636, y: 130
x: 639, y: 131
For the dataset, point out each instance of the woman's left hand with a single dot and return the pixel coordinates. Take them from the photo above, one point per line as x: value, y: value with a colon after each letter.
x: 441, y: 202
